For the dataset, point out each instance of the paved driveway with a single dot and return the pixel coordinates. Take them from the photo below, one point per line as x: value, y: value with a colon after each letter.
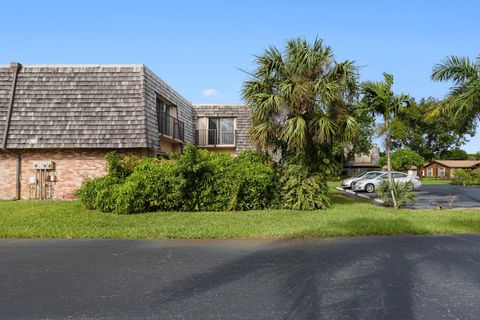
x: 345, y: 278
x: 429, y: 197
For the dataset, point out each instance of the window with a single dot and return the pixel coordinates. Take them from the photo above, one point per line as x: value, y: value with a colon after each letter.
x: 221, y: 131
x: 429, y: 172
x: 168, y: 124
x: 371, y: 175
x: 441, y: 171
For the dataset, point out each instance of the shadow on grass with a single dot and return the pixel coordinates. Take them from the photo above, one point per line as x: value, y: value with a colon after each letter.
x: 310, y: 279
x: 340, y: 198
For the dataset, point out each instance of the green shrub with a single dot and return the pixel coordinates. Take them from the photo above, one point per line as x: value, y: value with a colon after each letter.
x: 302, y: 190
x: 99, y: 193
x: 254, y: 156
x: 88, y: 193
x: 246, y: 182
x: 253, y: 183
x: 402, y: 193
x: 107, y: 193
x: 465, y: 177
x: 201, y: 180
x: 197, y: 170
x: 115, y: 167
x: 476, y: 173
x: 153, y: 185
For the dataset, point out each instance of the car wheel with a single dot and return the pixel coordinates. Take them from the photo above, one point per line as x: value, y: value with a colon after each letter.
x: 409, y: 187
x: 370, y: 188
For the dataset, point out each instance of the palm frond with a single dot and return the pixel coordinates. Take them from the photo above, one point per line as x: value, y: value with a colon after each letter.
x: 457, y: 69
x: 295, y: 133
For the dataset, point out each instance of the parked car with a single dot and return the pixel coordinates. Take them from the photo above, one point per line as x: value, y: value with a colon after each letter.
x: 347, y: 183
x: 370, y: 185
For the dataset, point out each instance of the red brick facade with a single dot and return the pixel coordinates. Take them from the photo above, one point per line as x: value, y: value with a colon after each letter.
x: 71, y: 168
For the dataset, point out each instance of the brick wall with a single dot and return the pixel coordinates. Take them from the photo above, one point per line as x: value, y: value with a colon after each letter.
x: 7, y: 176
x: 71, y: 168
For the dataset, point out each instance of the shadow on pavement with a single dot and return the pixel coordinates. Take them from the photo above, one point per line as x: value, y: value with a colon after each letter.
x: 370, y: 279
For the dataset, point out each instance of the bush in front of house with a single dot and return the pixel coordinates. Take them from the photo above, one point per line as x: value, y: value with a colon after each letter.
x: 153, y: 185
x: 255, y: 182
x: 303, y: 190
x: 196, y: 180
x: 466, y: 177
x: 220, y: 182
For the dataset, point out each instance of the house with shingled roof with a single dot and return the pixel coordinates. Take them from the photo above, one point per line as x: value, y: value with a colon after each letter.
x: 446, y: 168
x: 57, y: 123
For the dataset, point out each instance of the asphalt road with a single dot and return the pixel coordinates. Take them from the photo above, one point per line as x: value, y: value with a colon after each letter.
x: 431, y: 196
x: 345, y: 278
x: 465, y: 197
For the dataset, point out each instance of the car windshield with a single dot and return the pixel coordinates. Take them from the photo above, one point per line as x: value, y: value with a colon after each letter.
x: 371, y: 175
x: 362, y: 175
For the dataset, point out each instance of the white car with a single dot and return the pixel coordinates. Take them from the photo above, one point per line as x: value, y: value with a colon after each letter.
x: 347, y: 183
x: 369, y: 185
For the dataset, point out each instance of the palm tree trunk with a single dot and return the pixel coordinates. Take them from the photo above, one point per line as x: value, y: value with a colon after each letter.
x: 388, y: 141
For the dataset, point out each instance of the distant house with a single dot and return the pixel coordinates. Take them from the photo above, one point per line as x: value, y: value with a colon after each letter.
x: 57, y: 123
x: 446, y: 168
x: 363, y: 163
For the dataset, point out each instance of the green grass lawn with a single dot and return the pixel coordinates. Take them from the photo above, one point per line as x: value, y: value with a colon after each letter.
x: 433, y: 181
x: 347, y: 217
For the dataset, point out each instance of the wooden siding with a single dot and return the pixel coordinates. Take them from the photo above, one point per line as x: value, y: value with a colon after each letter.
x: 153, y: 86
x: 240, y: 112
x: 435, y: 170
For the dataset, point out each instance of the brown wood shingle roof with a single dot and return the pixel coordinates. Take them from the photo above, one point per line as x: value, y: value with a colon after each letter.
x: 75, y: 106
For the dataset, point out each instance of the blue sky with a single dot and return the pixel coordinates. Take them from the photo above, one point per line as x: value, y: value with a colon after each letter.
x: 199, y: 47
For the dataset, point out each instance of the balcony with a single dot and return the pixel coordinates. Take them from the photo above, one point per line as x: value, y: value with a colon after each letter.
x: 216, y: 138
x: 170, y: 127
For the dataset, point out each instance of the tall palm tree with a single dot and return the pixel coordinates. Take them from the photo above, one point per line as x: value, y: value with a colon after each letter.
x: 301, y: 98
x: 463, y: 101
x: 379, y: 99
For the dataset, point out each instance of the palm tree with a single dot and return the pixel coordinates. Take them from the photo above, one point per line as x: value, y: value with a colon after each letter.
x: 379, y: 99
x: 301, y: 99
x: 463, y: 101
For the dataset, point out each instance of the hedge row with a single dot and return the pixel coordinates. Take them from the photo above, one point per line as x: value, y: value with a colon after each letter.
x: 198, y: 180
x: 466, y: 177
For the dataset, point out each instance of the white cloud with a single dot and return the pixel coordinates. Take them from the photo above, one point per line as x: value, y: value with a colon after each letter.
x: 211, y: 93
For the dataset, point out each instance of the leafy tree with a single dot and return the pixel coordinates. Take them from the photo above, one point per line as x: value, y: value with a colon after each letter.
x: 411, y: 130
x: 463, y: 102
x: 455, y: 154
x: 361, y: 144
x: 378, y: 98
x: 403, y: 159
x: 303, y: 101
